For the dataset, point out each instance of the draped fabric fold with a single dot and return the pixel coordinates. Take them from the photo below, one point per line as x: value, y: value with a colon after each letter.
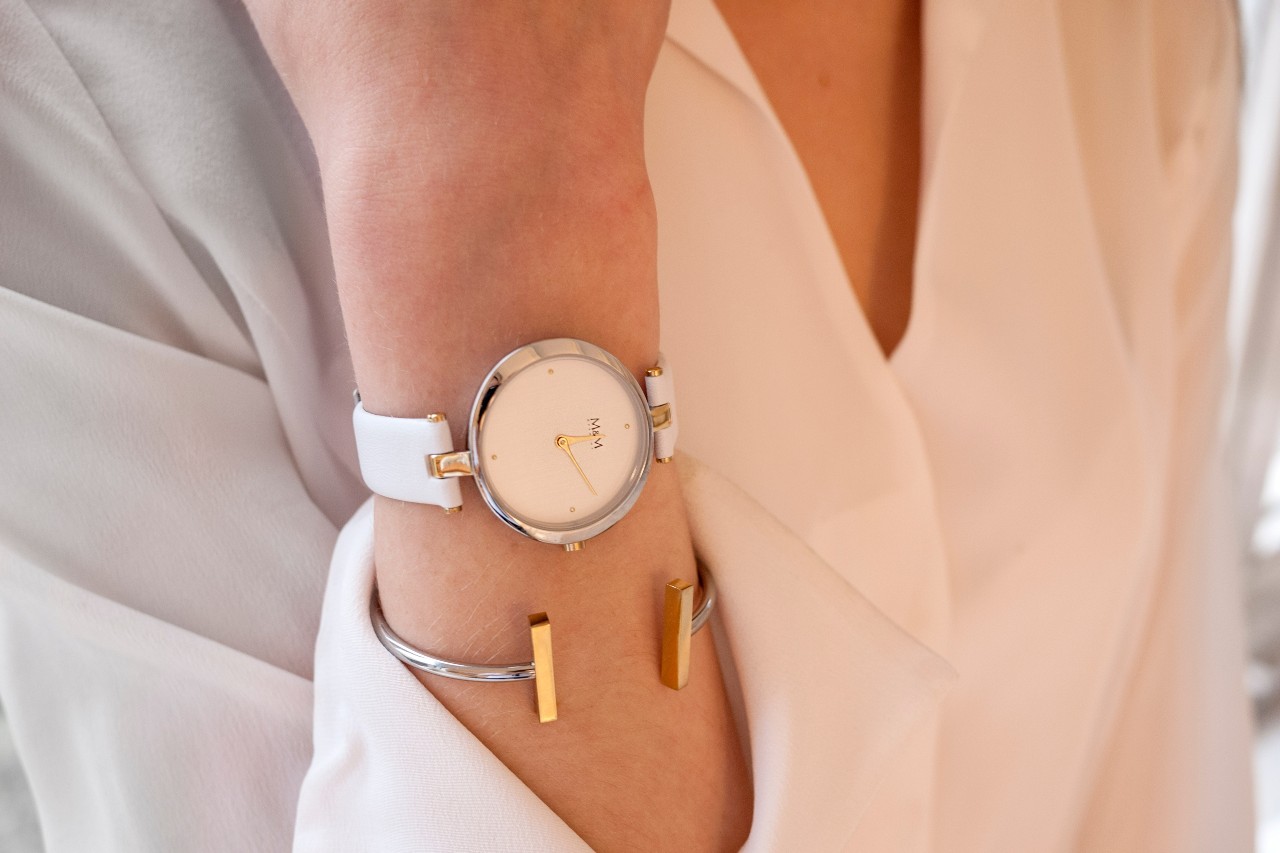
x: 973, y: 597
x: 394, y: 770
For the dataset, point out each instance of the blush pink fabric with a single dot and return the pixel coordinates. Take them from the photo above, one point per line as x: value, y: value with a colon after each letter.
x: 976, y: 596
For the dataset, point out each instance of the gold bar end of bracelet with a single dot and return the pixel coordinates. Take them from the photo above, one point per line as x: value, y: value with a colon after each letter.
x: 677, y: 633
x: 544, y: 675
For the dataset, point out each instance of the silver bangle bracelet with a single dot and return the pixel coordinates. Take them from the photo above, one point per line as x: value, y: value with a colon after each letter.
x: 427, y: 662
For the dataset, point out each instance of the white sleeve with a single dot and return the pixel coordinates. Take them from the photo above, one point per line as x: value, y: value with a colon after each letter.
x: 393, y: 770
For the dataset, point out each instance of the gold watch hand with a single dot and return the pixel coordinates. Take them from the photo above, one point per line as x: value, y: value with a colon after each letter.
x: 569, y: 440
x: 563, y: 442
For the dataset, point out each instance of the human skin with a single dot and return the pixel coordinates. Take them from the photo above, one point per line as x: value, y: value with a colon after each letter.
x: 844, y: 80
x: 485, y: 186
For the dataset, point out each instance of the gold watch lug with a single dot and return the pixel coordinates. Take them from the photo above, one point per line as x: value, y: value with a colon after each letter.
x: 445, y: 465
x: 660, y: 415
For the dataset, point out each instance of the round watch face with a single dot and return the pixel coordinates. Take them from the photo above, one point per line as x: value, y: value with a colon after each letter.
x: 561, y: 440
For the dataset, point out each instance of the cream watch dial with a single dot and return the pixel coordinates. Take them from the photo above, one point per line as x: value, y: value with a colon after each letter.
x: 562, y: 443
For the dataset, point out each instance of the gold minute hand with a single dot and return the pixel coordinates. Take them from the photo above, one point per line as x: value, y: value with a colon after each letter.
x: 563, y: 442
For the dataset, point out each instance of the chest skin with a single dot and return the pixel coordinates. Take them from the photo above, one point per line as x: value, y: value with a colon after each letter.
x: 844, y: 79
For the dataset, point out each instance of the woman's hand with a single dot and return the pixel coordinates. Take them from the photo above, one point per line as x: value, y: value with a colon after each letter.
x: 484, y: 179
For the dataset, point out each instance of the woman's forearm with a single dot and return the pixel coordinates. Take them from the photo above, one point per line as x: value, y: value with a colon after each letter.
x: 485, y: 187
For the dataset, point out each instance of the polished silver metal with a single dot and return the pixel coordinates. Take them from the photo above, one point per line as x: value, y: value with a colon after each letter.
x: 703, y: 612
x: 427, y: 662
x: 528, y: 356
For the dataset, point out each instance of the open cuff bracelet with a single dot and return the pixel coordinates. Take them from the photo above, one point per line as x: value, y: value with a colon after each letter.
x: 680, y: 622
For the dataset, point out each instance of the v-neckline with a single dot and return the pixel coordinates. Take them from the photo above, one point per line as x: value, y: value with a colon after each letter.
x: 698, y: 27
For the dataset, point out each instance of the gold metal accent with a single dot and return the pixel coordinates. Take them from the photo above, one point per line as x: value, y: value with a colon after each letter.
x: 571, y: 440
x: 573, y: 546
x: 677, y: 633
x: 626, y: 426
x: 435, y: 418
x: 663, y: 459
x: 455, y: 464
x: 564, y: 442
x: 661, y: 415
x: 653, y: 371
x: 550, y: 371
x: 544, y: 675
x: 494, y: 457
x: 450, y: 510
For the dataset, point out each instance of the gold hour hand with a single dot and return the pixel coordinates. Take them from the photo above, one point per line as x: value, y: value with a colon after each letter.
x: 564, y: 442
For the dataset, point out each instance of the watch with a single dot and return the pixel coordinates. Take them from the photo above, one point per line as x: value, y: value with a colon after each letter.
x: 561, y: 439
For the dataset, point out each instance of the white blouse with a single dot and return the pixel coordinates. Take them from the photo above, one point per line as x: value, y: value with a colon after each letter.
x: 977, y: 596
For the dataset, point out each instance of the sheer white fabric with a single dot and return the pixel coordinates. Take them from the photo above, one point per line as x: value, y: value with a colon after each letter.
x: 985, y: 606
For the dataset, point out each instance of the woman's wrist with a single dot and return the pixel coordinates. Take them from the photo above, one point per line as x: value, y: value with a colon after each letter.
x: 485, y: 186
x: 504, y: 261
x: 438, y: 287
x: 462, y: 585
x: 547, y: 236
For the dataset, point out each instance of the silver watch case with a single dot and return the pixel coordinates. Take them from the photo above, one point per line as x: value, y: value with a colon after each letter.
x: 519, y: 360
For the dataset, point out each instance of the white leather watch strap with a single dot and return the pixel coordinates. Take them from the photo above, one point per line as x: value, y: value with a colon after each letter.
x: 394, y: 452
x: 393, y: 457
x: 660, y: 388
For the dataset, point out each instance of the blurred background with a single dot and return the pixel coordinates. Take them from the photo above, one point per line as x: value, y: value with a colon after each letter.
x: 1252, y: 412
x: 1251, y: 425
